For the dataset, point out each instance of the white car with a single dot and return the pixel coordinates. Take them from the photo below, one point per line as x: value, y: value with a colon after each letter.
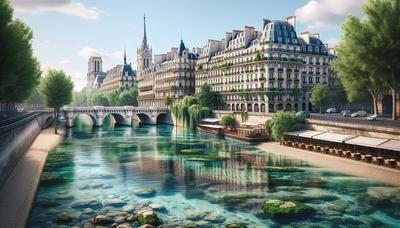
x: 331, y: 110
x: 372, y: 118
x: 359, y: 114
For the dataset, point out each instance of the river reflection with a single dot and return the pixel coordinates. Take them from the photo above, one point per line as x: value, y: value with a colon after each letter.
x: 195, y: 173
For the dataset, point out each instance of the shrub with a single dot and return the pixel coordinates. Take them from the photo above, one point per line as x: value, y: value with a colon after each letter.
x: 283, y: 122
x: 227, y: 121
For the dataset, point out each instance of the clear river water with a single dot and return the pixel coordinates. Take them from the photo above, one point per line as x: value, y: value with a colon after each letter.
x: 198, y: 180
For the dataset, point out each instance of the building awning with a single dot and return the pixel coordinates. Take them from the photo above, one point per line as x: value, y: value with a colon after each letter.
x: 366, y: 141
x: 391, y: 145
x: 211, y: 126
x: 210, y: 120
x: 305, y: 134
x: 333, y: 137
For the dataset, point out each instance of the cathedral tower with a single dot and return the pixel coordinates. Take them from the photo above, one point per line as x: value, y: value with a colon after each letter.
x: 144, y: 53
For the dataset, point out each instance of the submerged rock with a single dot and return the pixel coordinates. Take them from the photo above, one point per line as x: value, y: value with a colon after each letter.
x: 236, y: 225
x: 116, y: 202
x: 278, y: 209
x: 131, y: 218
x: 214, y: 217
x: 125, y: 225
x: 102, y: 220
x: 196, y: 215
x: 157, y: 207
x: 148, y: 217
x: 145, y: 192
x: 47, y: 203
x: 128, y: 208
x: 85, y: 203
x: 63, y: 218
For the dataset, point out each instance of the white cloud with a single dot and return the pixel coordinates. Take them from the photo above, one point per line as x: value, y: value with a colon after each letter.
x: 86, y: 52
x: 328, y: 14
x: 64, y: 62
x: 67, y: 7
x: 333, y: 42
x: 79, y: 80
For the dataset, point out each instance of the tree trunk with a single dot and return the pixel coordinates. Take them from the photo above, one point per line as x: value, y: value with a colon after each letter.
x: 55, y: 120
x: 320, y: 109
x: 374, y: 102
x: 394, y: 103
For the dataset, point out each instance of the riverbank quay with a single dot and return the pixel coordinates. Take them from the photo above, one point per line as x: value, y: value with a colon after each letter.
x: 18, y: 192
x: 338, y: 164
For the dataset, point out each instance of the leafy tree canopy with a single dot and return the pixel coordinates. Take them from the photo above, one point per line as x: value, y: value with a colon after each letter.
x: 19, y: 69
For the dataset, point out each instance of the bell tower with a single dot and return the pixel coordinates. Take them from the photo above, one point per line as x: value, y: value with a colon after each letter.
x: 144, y: 52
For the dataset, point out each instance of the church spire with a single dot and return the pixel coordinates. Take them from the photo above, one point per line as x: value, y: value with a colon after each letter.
x: 144, y: 43
x: 124, y: 53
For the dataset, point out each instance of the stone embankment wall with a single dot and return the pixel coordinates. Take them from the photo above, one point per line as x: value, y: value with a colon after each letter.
x: 17, y: 137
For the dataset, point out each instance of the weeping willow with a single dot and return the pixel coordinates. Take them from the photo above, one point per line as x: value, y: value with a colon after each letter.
x: 188, y: 112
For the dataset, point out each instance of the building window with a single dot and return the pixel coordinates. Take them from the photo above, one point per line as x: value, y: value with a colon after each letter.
x: 310, y: 81
x: 317, y: 80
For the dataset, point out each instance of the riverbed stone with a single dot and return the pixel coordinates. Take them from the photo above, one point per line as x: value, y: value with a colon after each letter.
x: 88, y: 210
x: 141, y: 204
x: 51, y: 179
x: 279, y: 209
x: 236, y: 225
x: 214, y: 217
x: 148, y: 217
x: 131, y: 218
x: 47, y: 203
x: 119, y: 219
x: 146, y: 226
x: 128, y: 208
x: 145, y: 192
x: 88, y: 202
x: 102, y: 220
x: 116, y: 202
x: 157, y: 207
x: 125, y: 225
x: 64, y: 218
x: 196, y: 215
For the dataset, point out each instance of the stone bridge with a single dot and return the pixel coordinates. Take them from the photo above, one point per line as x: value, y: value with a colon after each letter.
x: 125, y: 115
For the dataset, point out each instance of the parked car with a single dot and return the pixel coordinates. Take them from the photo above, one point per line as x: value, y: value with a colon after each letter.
x: 372, y: 118
x: 359, y: 114
x: 346, y: 113
x: 305, y: 114
x: 331, y: 110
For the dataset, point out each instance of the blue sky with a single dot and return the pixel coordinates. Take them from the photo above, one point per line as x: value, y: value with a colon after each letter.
x: 67, y: 32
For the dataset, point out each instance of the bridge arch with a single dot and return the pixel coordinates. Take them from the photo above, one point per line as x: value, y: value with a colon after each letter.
x: 163, y: 118
x: 144, y: 118
x: 119, y: 118
x: 92, y: 117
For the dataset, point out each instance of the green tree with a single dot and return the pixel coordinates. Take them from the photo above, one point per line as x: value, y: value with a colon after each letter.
x: 35, y: 99
x: 207, y: 97
x: 56, y: 89
x: 320, y: 96
x: 19, y: 69
x: 80, y: 99
x: 283, y: 122
x: 354, y: 75
x: 128, y: 97
x: 228, y: 121
x: 168, y: 101
x: 374, y: 45
x: 98, y: 98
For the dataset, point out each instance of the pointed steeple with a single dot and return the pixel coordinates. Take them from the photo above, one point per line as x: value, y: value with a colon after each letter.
x: 182, y: 48
x: 144, y: 42
x: 124, y: 54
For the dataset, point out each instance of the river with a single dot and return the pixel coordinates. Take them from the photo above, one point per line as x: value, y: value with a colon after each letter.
x: 191, y: 179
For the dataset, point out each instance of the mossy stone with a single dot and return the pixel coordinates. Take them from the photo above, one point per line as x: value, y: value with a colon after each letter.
x: 236, y: 225
x: 149, y: 217
x: 278, y: 209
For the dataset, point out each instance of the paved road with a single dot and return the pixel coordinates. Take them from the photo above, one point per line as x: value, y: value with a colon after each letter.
x: 337, y: 117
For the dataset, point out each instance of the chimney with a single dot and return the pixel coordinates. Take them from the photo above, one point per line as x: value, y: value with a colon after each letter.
x: 316, y: 35
x: 292, y: 21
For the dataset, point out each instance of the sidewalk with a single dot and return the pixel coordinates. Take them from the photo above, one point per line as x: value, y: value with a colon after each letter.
x: 342, y: 165
x: 18, y: 192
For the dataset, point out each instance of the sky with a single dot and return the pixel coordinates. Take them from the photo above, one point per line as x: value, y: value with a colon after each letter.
x: 68, y: 32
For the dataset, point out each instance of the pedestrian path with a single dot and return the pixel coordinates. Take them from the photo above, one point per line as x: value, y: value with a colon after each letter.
x: 18, y: 192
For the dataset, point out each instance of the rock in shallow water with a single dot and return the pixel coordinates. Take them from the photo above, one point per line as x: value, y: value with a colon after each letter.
x: 90, y: 202
x: 116, y: 202
x: 102, y: 220
x: 145, y: 192
x: 148, y: 217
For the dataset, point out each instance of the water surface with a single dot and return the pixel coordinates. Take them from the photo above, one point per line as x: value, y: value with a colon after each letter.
x: 98, y: 171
